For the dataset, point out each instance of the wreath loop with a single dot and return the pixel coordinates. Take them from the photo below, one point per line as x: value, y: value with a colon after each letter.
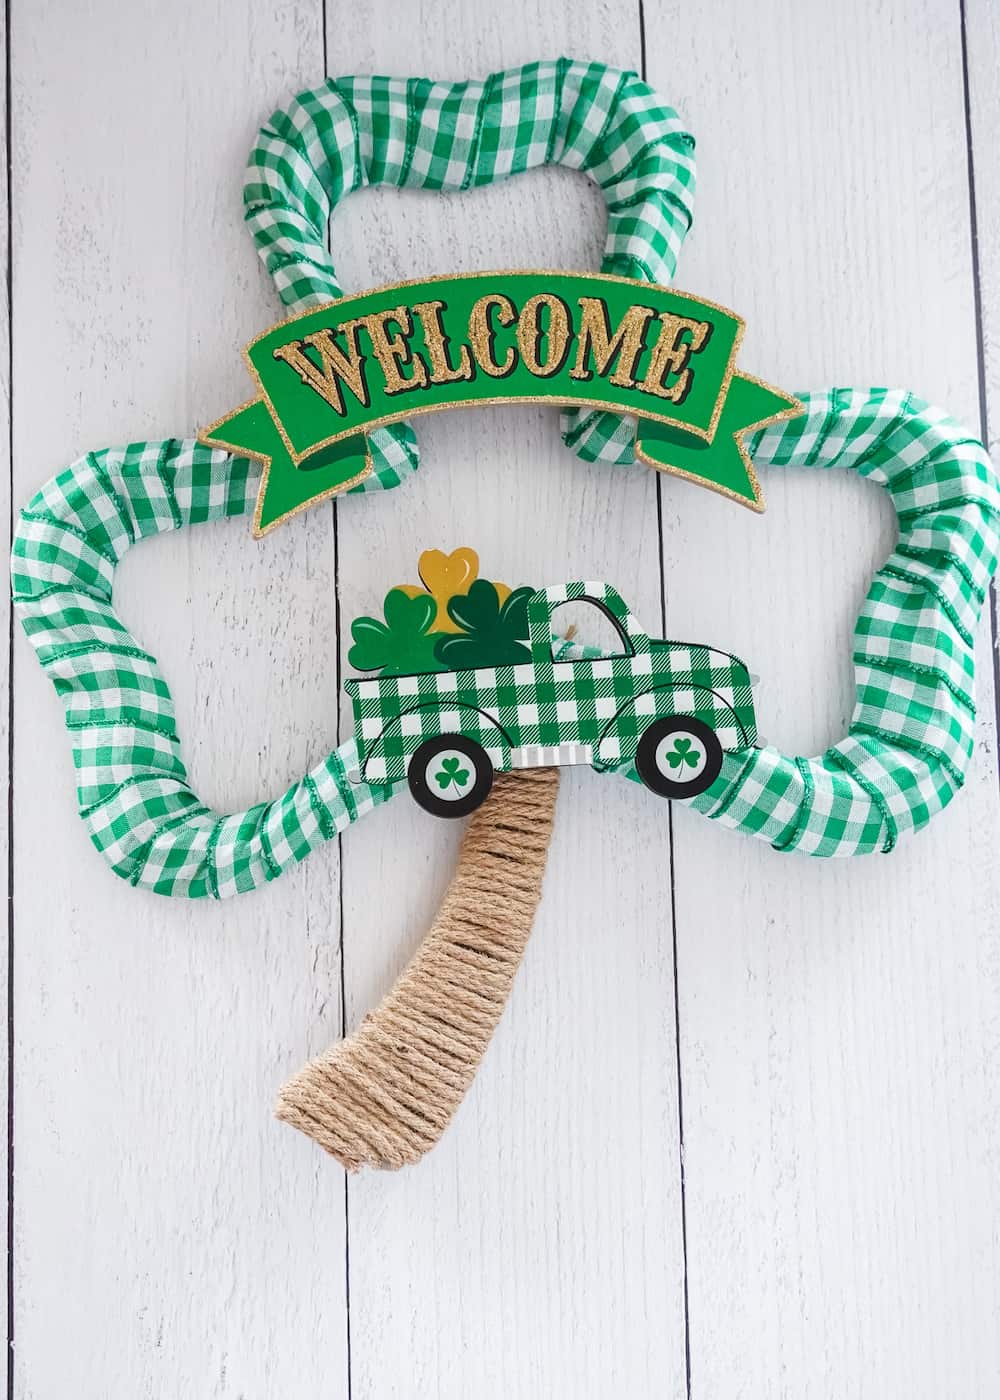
x: 911, y: 736
x: 910, y: 740
x: 419, y: 134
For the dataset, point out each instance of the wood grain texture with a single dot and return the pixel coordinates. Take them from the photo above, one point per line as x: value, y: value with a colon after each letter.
x: 529, y: 1253
x: 5, y: 614
x: 840, y: 1023
x: 171, y: 1240
x: 983, y: 52
x: 981, y: 25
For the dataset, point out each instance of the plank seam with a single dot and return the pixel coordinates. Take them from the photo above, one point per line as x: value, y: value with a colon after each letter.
x: 10, y: 717
x: 977, y: 305
x: 685, y: 1293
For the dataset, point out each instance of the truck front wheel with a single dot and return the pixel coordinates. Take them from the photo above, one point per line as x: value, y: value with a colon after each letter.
x: 679, y: 756
x: 450, y: 775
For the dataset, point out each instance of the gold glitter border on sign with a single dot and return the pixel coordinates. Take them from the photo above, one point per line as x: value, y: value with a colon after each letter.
x: 757, y: 504
x: 209, y: 439
x: 415, y: 410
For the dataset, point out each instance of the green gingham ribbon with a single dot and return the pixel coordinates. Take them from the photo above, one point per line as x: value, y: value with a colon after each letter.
x: 911, y: 736
x: 910, y: 741
x: 420, y: 134
x: 132, y: 785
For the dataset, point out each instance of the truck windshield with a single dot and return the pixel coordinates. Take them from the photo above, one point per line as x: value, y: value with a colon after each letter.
x: 582, y: 628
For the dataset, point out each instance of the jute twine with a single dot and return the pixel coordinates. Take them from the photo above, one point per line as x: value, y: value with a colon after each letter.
x: 383, y: 1096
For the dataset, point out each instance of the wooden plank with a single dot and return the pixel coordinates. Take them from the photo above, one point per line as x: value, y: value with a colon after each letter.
x: 839, y: 1022
x: 841, y: 1118
x: 172, y: 1239
x: 6, y: 670
x: 982, y: 25
x: 537, y: 1250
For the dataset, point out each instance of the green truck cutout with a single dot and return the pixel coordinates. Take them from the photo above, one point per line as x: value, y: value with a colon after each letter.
x: 670, y: 709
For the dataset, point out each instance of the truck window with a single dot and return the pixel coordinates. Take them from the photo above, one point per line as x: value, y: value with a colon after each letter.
x: 583, y: 628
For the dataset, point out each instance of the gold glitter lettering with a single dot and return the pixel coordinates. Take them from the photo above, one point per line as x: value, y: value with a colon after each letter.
x: 595, y: 338
x: 393, y: 351
x: 335, y: 364
x: 556, y: 333
x: 482, y: 336
x: 428, y: 313
x: 671, y: 356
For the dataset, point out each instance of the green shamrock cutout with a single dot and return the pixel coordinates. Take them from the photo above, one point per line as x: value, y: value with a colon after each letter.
x: 450, y: 772
x: 682, y: 753
x: 492, y: 635
x: 402, y: 645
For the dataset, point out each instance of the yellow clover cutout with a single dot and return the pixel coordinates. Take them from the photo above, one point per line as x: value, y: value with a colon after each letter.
x: 447, y: 576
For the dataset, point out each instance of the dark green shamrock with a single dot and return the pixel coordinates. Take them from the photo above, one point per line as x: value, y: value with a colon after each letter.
x: 450, y: 772
x: 492, y: 635
x: 682, y: 753
x: 402, y: 645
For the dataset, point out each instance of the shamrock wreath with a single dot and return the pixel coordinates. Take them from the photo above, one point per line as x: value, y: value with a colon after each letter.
x: 385, y: 1094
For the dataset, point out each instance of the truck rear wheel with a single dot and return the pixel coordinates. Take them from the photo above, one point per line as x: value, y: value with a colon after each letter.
x: 450, y: 775
x: 679, y: 756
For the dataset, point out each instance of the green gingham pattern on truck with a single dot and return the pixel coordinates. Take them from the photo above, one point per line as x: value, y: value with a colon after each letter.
x: 585, y: 710
x: 420, y: 134
x: 662, y: 678
x: 900, y: 763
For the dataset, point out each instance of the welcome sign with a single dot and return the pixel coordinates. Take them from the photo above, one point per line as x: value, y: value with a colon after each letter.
x: 329, y: 376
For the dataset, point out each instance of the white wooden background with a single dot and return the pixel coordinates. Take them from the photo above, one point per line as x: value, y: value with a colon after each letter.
x: 739, y: 1132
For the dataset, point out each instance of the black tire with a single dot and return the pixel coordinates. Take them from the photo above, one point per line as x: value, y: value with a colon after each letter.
x: 657, y: 774
x: 469, y: 795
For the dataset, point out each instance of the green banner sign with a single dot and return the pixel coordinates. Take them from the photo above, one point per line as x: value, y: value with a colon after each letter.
x: 327, y: 377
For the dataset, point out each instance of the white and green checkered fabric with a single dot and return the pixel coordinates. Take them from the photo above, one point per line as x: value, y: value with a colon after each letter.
x: 132, y: 785
x: 912, y: 732
x: 419, y: 134
x: 910, y: 740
